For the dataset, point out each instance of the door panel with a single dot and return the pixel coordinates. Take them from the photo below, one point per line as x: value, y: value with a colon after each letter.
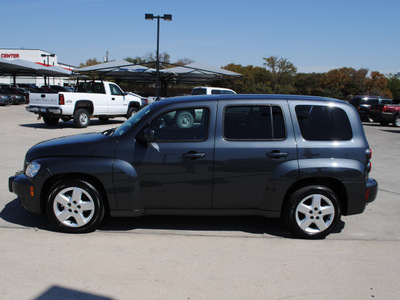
x: 175, y: 171
x: 252, y: 141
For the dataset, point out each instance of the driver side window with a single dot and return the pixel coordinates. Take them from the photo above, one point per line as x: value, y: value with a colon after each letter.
x: 181, y: 125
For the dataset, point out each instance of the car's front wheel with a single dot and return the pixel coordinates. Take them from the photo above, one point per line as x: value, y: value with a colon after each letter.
x: 396, y: 121
x: 75, y: 206
x: 312, y: 212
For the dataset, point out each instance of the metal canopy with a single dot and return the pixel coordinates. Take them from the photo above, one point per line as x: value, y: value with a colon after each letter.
x: 20, y: 67
x: 194, y: 73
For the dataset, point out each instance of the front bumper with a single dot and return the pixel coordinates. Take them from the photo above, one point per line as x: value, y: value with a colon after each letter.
x: 24, y: 189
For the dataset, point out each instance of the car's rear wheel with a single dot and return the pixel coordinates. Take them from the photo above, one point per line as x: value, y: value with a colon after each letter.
x: 51, y: 121
x: 312, y: 212
x: 81, y: 118
x: 75, y: 206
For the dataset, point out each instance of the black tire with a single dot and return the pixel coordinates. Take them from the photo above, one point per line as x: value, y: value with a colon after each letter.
x: 81, y: 118
x: 184, y: 119
x: 131, y: 112
x: 104, y: 119
x: 51, y: 121
x: 75, y: 206
x: 396, y: 121
x: 66, y: 119
x: 312, y: 212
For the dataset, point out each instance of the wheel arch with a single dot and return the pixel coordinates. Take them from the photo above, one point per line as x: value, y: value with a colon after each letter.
x: 79, y: 176
x: 332, y: 183
x: 134, y: 104
x: 86, y: 104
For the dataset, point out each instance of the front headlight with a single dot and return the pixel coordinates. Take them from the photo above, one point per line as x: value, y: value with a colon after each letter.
x: 32, y: 169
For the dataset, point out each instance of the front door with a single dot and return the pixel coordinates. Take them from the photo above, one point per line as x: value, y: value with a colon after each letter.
x: 117, y: 104
x: 175, y: 171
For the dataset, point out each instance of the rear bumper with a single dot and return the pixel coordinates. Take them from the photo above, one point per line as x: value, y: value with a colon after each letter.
x: 372, y: 190
x: 44, y: 110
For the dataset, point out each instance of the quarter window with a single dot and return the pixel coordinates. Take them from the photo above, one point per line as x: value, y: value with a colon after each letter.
x: 254, y: 123
x: 323, y: 123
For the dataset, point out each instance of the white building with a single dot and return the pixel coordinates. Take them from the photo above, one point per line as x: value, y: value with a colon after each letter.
x: 40, y: 57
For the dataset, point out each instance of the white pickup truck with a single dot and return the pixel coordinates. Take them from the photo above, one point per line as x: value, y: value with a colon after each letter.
x: 99, y: 99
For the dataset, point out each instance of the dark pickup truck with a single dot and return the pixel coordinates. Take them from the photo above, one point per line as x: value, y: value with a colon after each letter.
x: 386, y: 113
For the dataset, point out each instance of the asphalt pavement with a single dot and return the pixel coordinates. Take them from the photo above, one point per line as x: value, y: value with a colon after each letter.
x: 195, y: 257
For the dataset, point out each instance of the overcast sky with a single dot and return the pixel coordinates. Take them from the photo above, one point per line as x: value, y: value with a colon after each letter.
x: 315, y: 35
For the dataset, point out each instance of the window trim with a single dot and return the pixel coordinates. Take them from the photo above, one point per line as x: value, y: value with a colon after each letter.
x: 178, y: 109
x: 270, y: 105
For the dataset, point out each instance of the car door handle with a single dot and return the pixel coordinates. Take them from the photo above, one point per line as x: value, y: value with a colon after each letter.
x: 277, y: 154
x: 193, y: 155
x: 112, y: 98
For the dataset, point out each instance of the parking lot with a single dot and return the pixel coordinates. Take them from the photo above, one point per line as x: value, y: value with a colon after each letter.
x: 195, y: 257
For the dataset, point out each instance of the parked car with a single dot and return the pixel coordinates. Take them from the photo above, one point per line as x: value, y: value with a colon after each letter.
x: 5, y: 99
x: 363, y: 104
x: 14, y: 98
x: 303, y: 158
x: 100, y: 99
x: 386, y: 114
x: 206, y: 90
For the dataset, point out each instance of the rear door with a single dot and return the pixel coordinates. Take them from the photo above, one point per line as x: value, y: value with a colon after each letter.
x: 252, y: 142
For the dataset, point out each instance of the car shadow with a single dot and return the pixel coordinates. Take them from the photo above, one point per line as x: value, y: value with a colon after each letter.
x: 14, y: 213
x: 70, y: 124
x: 394, y: 131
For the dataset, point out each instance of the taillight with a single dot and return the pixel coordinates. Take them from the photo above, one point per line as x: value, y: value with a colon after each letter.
x: 61, y: 100
x: 384, y: 108
x: 368, y: 153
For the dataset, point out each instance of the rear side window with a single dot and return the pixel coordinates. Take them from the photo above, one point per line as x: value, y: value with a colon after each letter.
x: 254, y: 123
x: 199, y: 91
x: 323, y: 123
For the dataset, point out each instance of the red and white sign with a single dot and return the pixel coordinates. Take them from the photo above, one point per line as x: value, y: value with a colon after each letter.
x: 9, y: 55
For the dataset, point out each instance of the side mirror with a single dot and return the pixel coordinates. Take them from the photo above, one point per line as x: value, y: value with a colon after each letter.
x: 146, y: 136
x: 149, y: 135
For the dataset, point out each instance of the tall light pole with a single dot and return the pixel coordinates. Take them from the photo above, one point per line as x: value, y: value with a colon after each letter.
x: 48, y: 58
x: 150, y: 17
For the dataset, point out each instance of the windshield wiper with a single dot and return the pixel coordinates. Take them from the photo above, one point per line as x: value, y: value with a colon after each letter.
x: 109, y: 131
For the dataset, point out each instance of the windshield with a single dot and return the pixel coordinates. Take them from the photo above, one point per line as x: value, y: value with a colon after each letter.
x: 132, y: 121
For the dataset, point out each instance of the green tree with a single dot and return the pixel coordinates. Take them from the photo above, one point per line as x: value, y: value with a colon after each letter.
x: 135, y: 60
x: 308, y: 84
x: 282, y: 73
x: 255, y: 79
x: 377, y: 84
x: 393, y: 84
x: 89, y: 62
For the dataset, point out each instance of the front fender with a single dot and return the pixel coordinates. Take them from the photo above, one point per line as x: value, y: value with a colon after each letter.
x: 127, y: 188
x: 98, y: 169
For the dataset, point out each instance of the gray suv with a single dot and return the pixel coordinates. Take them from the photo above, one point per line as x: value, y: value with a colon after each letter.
x: 305, y: 159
